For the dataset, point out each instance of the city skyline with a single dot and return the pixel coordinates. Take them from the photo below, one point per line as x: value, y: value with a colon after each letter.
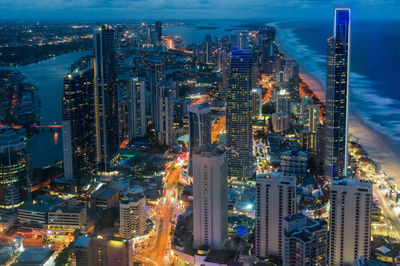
x: 192, y: 143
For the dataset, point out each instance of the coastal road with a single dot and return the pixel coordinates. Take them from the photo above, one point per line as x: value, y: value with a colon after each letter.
x: 389, y: 214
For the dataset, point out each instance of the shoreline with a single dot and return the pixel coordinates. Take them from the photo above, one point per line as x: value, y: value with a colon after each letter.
x: 375, y: 143
x: 377, y: 147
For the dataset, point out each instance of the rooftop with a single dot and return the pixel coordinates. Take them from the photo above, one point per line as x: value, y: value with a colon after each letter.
x: 220, y: 256
x: 105, y: 193
x: 82, y: 241
x: 210, y: 150
x: 34, y: 256
x: 356, y: 183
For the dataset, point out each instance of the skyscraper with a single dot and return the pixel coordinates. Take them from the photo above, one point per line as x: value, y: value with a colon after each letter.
x: 15, y: 184
x: 165, y: 115
x: 78, y: 121
x: 256, y: 104
x: 282, y: 102
x: 275, y: 199
x: 105, y: 96
x: 199, y: 129
x: 210, y: 211
x: 310, y: 117
x: 137, y: 108
x: 158, y: 32
x: 239, y: 115
x: 337, y: 96
x: 350, y: 221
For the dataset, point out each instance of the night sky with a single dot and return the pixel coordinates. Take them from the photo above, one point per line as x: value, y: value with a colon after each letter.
x: 192, y: 9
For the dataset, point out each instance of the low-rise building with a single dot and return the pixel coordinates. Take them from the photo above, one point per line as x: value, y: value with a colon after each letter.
x: 103, y: 251
x: 35, y: 257
x: 35, y: 215
x: 106, y: 198
x: 65, y: 219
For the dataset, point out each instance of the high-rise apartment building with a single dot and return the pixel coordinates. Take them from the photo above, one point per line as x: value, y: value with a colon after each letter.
x: 78, y: 122
x: 256, y: 102
x: 137, y: 108
x: 132, y: 216
x: 306, y: 241
x: 275, y: 199
x: 15, y: 166
x: 199, y: 117
x: 165, y: 115
x: 283, y: 101
x: 105, y: 96
x: 210, y: 211
x: 238, y: 116
x: 337, y: 96
x: 310, y: 117
x: 294, y: 162
x: 280, y: 121
x: 350, y: 221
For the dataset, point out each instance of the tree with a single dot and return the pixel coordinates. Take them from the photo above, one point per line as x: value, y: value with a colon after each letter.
x: 63, y: 257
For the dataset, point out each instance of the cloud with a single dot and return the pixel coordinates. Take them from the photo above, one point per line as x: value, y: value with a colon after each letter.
x: 178, y: 9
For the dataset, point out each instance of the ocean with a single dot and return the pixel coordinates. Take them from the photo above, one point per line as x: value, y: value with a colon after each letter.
x: 375, y: 67
x: 194, y: 31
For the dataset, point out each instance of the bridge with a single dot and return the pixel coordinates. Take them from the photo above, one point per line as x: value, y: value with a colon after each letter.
x: 50, y: 128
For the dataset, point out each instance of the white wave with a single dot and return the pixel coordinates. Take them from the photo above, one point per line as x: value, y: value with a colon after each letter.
x: 378, y: 111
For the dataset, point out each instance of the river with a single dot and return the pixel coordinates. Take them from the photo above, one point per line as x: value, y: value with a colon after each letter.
x: 47, y: 148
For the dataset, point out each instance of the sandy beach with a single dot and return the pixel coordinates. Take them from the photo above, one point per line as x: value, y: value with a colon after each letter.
x: 377, y: 145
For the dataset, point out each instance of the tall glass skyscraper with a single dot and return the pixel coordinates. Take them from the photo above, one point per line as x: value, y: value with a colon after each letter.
x: 337, y: 96
x: 78, y: 121
x: 158, y: 30
x: 238, y: 116
x: 15, y: 165
x: 105, y: 95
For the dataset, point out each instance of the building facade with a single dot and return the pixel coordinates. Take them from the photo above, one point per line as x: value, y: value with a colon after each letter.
x: 280, y: 122
x: 103, y: 251
x: 256, y: 103
x: 199, y: 117
x: 132, y: 216
x: 337, y: 96
x: 210, y: 211
x: 294, y: 162
x: 78, y: 122
x: 306, y: 241
x: 105, y: 96
x: 65, y: 219
x: 165, y: 118
x: 238, y: 116
x: 275, y: 199
x: 15, y: 172
x: 136, y: 108
x: 350, y: 221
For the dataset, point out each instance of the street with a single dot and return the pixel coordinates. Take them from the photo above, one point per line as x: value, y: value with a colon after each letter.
x: 159, y: 253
